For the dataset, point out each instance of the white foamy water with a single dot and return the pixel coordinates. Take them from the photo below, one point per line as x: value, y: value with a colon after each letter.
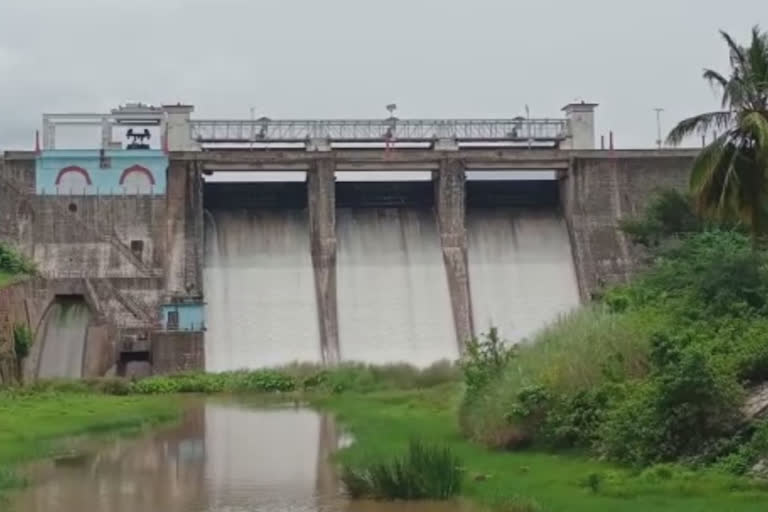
x: 393, y: 297
x: 63, y: 337
x: 260, y: 290
x: 520, y: 268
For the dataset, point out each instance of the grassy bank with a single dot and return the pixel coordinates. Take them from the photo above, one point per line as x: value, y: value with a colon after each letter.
x: 33, y: 423
x: 383, y: 423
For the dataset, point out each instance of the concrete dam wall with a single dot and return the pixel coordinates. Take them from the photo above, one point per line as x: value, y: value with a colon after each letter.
x: 319, y: 269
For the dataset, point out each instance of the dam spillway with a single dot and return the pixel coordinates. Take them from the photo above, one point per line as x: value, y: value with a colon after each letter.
x: 62, y: 338
x: 391, y: 289
x: 521, y: 270
x: 393, y: 295
x: 259, y: 287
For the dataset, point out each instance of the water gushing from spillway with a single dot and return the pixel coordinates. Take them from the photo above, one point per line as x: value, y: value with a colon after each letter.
x: 520, y: 268
x: 259, y: 286
x: 63, y: 338
x: 393, y: 296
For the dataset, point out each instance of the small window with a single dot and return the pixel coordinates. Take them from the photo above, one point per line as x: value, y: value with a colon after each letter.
x: 173, y: 320
x: 137, y: 247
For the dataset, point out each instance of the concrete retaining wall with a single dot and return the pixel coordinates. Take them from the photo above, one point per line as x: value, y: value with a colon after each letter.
x: 596, y: 194
x: 174, y: 352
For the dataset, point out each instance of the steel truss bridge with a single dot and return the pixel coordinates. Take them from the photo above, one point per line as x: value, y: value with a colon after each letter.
x: 394, y: 130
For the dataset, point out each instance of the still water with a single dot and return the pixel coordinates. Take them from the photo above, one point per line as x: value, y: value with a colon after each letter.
x: 223, y: 457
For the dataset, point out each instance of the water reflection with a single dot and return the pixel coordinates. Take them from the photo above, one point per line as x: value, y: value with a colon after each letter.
x: 221, y: 458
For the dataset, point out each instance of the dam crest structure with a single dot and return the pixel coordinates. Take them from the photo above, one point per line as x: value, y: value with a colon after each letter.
x: 228, y: 244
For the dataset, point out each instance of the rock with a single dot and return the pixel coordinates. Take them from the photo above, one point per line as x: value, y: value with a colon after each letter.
x: 760, y: 470
x: 756, y: 405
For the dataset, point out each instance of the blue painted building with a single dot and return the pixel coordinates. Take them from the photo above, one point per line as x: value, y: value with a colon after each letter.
x: 101, y: 172
x: 183, y: 316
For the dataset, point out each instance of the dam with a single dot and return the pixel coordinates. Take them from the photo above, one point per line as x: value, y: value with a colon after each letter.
x: 229, y: 244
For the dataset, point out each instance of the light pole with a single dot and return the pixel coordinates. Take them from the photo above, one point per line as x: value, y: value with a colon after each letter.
x: 253, y: 126
x: 658, y: 126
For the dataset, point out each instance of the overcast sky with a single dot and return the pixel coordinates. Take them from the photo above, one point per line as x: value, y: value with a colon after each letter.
x: 349, y: 58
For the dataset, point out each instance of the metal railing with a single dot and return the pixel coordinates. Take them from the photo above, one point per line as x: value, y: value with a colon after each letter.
x: 375, y: 130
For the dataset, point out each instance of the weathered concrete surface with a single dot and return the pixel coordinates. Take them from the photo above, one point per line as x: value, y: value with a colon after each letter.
x: 450, y: 201
x: 321, y: 193
x: 111, y: 250
x: 23, y: 303
x: 12, y: 312
x: 596, y: 193
x: 184, y: 230
x: 177, y: 351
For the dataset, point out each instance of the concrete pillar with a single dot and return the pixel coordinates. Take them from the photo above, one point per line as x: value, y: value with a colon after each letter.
x: 446, y: 144
x: 581, y: 125
x: 178, y: 132
x: 318, y: 144
x: 450, y: 197
x: 184, y: 240
x: 321, y: 192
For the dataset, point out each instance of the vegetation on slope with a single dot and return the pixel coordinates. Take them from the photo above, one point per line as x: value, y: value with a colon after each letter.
x: 13, y: 265
x: 656, y: 372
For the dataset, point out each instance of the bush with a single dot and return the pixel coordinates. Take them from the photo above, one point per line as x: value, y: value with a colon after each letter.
x: 670, y: 213
x: 578, y: 354
x: 424, y: 472
x: 22, y: 340
x: 484, y: 359
x: 677, y: 413
x: 14, y: 263
x: 362, y: 378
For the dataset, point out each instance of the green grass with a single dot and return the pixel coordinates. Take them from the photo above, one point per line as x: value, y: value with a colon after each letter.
x: 383, y: 423
x: 7, y: 278
x: 425, y: 471
x: 33, y: 424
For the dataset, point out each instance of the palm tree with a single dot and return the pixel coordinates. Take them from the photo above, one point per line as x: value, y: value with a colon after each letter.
x: 729, y: 179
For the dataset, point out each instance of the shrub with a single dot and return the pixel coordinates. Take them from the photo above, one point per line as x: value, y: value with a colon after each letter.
x: 484, y: 359
x: 424, y: 472
x: 670, y: 213
x: 13, y: 262
x: 577, y: 354
x: 22, y: 340
x: 685, y: 406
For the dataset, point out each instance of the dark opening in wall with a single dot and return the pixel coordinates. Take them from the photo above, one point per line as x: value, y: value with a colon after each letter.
x: 173, y: 321
x: 137, y: 247
x: 246, y: 195
x: 385, y: 194
x: 519, y: 193
x: 72, y: 207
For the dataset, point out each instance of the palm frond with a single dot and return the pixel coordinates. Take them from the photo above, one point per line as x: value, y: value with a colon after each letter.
x: 756, y: 126
x: 714, y: 78
x: 701, y: 123
x: 738, y: 60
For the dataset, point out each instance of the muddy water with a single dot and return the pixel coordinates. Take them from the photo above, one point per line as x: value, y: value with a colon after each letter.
x: 223, y: 457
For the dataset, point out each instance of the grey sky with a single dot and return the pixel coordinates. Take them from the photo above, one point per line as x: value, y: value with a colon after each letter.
x: 349, y: 58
